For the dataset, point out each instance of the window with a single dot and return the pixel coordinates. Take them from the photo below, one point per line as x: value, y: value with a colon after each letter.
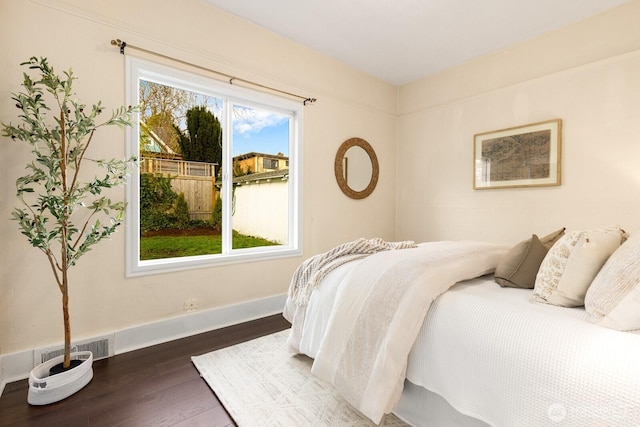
x: 270, y: 163
x: 218, y: 178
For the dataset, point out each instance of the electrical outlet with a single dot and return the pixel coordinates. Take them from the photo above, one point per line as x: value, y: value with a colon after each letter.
x: 190, y: 304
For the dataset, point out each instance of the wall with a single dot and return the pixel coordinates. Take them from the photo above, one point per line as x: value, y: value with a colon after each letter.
x: 271, y: 199
x: 77, y: 33
x: 587, y: 74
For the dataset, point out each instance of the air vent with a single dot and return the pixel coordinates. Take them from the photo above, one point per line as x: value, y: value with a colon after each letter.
x: 101, y: 347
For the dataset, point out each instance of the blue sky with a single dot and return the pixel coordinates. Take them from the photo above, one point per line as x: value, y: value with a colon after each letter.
x: 260, y: 131
x: 256, y: 130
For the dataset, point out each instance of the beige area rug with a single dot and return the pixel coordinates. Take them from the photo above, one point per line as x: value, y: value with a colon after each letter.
x: 261, y: 384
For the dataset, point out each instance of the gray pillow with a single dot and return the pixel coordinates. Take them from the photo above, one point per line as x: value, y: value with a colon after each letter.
x: 519, y: 267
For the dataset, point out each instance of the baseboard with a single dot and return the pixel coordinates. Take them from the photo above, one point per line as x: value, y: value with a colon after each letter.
x: 16, y: 366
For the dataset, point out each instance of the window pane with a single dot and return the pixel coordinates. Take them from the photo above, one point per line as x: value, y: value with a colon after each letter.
x: 180, y: 157
x: 261, y: 140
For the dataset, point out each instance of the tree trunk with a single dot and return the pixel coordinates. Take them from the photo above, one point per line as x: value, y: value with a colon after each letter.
x: 67, y: 326
x: 64, y: 241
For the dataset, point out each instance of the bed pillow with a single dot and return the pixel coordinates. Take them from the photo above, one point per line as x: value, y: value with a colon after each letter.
x: 613, y: 299
x: 518, y: 268
x: 572, y: 263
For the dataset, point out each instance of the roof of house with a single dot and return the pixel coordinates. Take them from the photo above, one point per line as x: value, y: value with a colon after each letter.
x: 256, y: 154
x: 282, y: 174
x: 165, y: 150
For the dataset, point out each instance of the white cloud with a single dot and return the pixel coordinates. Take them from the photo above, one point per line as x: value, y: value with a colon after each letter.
x: 248, y: 120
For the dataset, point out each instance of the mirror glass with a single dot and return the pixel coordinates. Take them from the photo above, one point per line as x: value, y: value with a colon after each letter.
x: 356, y: 168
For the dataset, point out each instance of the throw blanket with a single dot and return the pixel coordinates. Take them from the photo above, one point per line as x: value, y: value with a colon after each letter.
x: 378, y: 312
x: 312, y: 271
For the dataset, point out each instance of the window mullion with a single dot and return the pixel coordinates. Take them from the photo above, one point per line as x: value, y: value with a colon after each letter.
x: 227, y: 177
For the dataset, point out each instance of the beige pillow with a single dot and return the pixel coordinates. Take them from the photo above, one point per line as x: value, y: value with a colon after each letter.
x: 518, y: 268
x: 572, y: 263
x: 613, y: 299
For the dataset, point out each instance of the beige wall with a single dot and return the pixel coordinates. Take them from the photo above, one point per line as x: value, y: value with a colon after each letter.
x: 588, y: 75
x: 76, y: 33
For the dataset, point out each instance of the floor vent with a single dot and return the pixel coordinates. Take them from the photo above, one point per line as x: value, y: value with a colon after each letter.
x: 101, y: 347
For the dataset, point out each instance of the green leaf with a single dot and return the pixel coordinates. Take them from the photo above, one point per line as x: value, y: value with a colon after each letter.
x: 49, y: 209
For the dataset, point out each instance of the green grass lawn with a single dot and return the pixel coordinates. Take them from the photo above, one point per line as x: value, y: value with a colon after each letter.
x: 157, y: 247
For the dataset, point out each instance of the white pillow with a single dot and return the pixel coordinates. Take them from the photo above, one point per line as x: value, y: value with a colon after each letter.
x: 572, y: 263
x: 613, y: 299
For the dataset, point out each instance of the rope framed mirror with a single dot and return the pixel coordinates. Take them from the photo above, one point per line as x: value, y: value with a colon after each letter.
x: 356, y: 168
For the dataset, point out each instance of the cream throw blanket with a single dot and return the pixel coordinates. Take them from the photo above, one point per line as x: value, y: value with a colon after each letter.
x: 312, y: 271
x: 379, y: 309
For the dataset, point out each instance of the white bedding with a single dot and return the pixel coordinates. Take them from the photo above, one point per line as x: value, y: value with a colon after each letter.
x: 496, y: 356
x: 377, y: 314
x: 499, y: 357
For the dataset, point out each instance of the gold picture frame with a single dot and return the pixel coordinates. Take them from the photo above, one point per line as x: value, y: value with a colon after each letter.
x: 521, y: 156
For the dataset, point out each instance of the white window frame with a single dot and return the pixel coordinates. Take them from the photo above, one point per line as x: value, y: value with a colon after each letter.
x: 137, y: 69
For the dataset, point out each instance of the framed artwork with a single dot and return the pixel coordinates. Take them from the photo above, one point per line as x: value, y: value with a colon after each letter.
x: 522, y: 156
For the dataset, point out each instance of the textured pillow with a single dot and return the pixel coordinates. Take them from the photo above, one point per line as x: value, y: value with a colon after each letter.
x: 613, y: 299
x: 518, y: 268
x: 572, y: 263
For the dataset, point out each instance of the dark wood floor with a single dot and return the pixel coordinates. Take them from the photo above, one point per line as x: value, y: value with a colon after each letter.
x: 154, y: 386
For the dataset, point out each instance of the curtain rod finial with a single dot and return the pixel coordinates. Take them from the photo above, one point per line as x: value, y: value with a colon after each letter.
x: 309, y: 100
x: 120, y: 43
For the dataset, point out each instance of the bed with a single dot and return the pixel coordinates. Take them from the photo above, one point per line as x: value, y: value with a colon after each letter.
x: 482, y: 354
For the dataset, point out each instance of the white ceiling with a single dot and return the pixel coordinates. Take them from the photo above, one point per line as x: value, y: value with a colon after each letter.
x: 400, y: 41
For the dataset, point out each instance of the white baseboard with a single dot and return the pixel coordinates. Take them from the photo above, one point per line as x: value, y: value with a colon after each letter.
x: 16, y: 366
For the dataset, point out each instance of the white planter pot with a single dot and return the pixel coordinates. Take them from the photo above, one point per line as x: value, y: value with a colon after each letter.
x: 45, y: 389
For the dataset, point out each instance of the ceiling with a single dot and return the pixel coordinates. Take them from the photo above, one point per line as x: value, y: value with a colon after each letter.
x: 400, y: 41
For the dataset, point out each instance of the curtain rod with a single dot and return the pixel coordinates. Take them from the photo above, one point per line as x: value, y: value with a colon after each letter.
x: 122, y: 44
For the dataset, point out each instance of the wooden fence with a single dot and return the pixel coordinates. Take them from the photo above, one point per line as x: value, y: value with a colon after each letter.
x: 196, y: 180
x: 177, y: 167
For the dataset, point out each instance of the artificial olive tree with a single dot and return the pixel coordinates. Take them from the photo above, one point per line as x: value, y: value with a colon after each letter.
x: 62, y: 209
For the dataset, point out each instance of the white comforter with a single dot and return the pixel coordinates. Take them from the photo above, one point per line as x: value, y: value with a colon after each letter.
x: 497, y: 356
x: 379, y: 307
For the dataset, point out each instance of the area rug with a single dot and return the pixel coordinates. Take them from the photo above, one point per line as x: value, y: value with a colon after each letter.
x: 261, y: 384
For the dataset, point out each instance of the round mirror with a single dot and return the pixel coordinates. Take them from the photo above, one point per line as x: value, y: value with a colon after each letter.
x: 356, y: 168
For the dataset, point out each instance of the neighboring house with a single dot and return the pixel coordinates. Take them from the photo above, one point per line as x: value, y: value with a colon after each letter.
x: 259, y: 162
x: 152, y: 145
